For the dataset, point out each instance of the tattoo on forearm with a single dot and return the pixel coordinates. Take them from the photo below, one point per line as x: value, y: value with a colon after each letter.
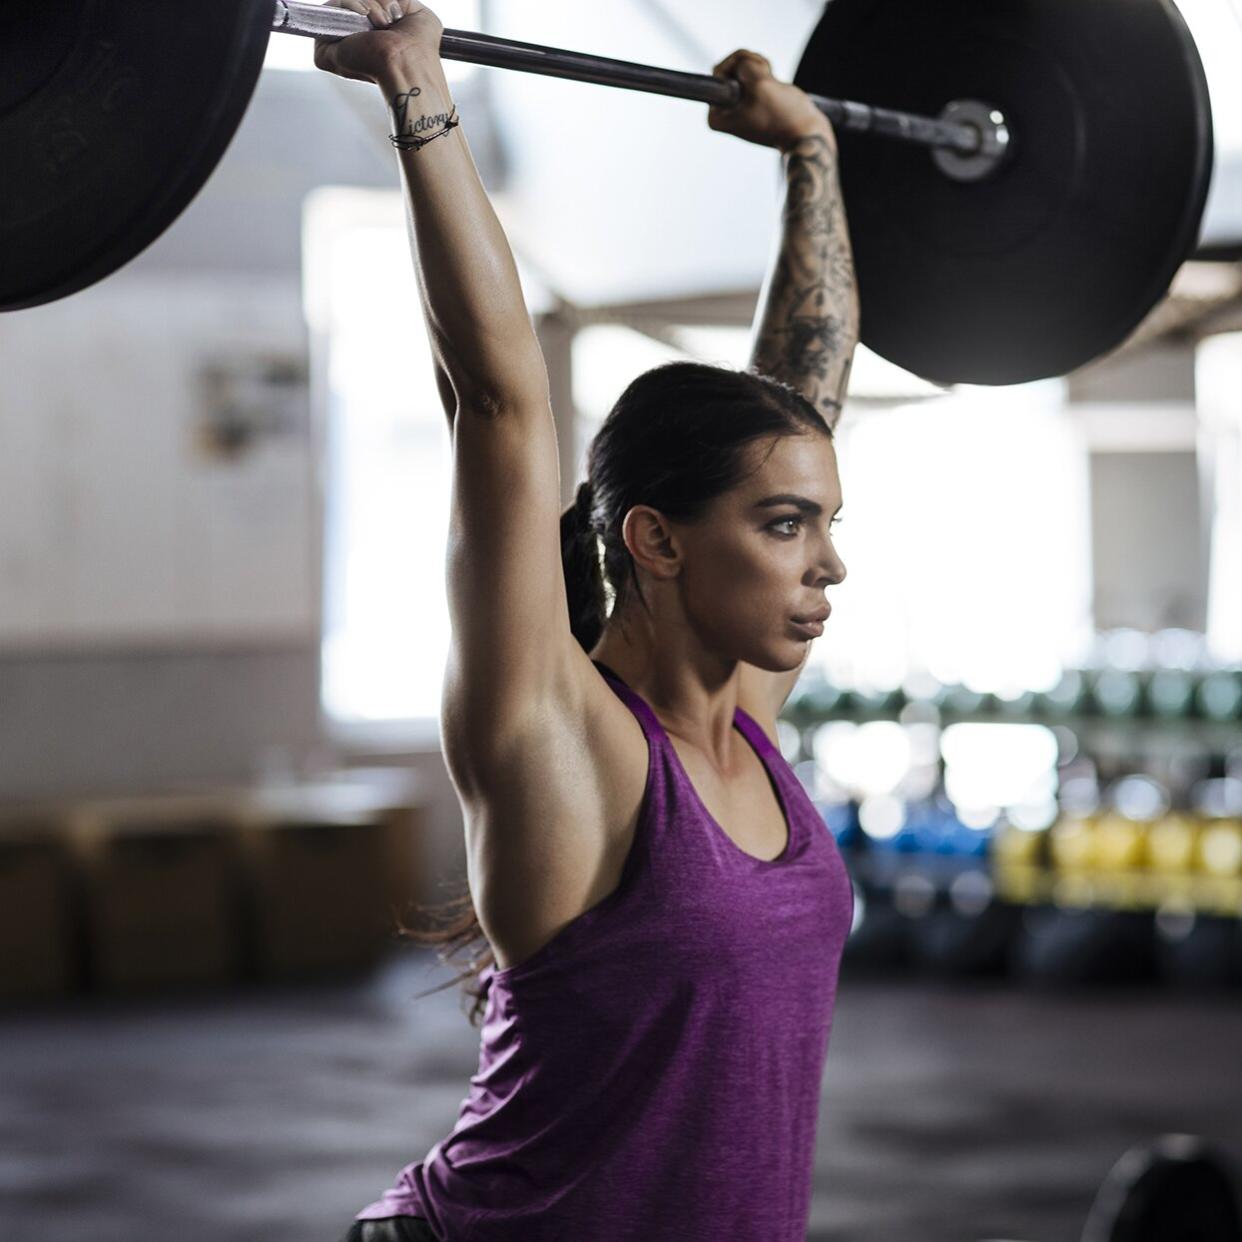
x: 401, y: 109
x: 809, y: 322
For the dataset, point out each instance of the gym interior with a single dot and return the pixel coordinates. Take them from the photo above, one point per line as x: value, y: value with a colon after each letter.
x: 224, y: 507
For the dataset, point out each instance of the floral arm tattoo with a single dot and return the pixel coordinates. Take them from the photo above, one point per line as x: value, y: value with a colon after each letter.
x: 807, y: 326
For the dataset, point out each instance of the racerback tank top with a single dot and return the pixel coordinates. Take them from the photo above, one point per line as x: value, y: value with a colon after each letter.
x: 653, y: 1072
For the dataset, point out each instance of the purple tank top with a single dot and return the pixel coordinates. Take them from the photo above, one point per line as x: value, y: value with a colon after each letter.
x: 653, y: 1072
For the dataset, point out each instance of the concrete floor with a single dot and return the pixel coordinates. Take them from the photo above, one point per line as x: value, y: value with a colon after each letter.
x: 272, y: 1114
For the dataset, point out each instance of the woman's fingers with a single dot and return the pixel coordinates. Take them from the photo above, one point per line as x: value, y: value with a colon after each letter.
x: 323, y: 53
x: 751, y: 67
x: 326, y: 49
x: 742, y: 54
x: 408, y: 23
x: 745, y: 67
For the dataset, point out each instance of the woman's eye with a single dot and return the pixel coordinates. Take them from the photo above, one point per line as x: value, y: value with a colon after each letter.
x: 797, y: 519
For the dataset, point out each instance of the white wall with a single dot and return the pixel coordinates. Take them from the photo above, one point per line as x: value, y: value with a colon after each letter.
x: 158, y: 605
x: 126, y: 516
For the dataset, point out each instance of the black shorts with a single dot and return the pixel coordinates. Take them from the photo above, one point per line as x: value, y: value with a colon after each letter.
x: 391, y: 1229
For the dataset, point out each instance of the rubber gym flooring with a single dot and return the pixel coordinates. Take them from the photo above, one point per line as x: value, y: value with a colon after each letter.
x: 271, y: 1114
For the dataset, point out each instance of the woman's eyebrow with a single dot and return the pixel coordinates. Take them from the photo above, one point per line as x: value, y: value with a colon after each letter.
x: 799, y: 502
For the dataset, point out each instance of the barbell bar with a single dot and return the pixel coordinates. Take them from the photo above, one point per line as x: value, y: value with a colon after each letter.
x: 296, y: 17
x: 981, y: 256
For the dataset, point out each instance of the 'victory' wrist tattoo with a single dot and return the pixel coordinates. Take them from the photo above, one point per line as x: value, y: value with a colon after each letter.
x: 414, y: 128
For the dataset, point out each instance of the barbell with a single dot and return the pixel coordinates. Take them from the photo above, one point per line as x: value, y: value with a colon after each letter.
x: 1044, y: 175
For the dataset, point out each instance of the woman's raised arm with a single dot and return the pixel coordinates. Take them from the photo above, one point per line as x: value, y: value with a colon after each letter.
x: 807, y: 326
x: 480, y: 330
x: 514, y: 666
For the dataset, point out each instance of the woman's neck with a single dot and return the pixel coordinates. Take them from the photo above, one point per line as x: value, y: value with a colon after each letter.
x: 692, y: 693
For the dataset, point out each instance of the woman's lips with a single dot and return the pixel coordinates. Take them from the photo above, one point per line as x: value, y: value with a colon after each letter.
x: 819, y: 614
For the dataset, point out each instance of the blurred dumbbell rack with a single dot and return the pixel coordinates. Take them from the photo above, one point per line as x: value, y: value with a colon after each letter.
x: 1143, y: 881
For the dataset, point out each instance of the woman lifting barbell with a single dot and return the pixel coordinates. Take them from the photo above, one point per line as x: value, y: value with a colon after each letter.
x: 663, y: 910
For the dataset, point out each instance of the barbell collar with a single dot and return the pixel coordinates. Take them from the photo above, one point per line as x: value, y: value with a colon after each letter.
x: 319, y: 21
x: 994, y: 140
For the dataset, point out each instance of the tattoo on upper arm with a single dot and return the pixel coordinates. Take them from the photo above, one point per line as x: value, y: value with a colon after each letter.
x: 810, y: 320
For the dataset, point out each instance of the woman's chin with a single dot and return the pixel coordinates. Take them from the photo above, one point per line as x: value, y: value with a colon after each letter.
x: 786, y: 659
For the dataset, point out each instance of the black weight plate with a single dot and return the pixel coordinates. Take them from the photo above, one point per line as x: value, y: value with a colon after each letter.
x: 950, y: 943
x: 1056, y: 257
x: 1175, y: 1189
x: 1083, y: 946
x: 1207, y: 954
x: 113, y: 113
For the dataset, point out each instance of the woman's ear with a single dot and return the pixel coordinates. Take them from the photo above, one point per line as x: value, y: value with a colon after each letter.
x: 651, y: 542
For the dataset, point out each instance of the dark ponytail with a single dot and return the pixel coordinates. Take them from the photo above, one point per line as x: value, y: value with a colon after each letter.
x: 580, y: 559
x: 675, y: 440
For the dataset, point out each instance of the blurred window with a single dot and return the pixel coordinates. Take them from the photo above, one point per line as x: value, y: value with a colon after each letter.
x: 386, y: 471
x: 1218, y: 379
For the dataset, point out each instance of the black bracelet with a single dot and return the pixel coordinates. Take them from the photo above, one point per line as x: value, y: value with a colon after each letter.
x: 413, y: 142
